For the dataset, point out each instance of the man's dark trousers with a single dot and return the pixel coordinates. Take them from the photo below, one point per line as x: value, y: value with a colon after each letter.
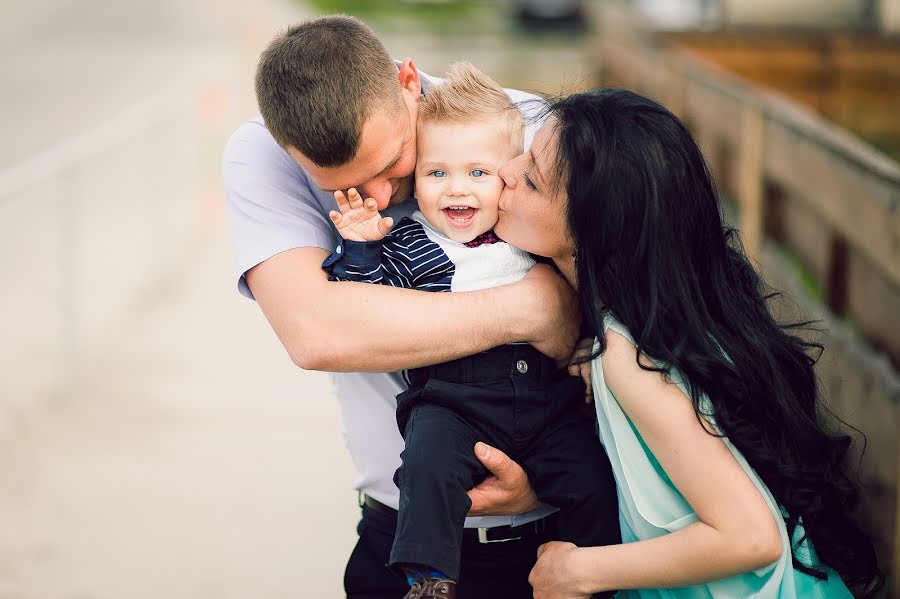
x: 514, y: 398
x: 489, y: 571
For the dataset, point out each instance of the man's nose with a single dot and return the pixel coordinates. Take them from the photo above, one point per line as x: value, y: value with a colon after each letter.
x: 379, y: 189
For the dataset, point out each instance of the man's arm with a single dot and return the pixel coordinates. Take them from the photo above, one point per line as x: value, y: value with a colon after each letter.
x: 278, y: 232
x: 357, y: 327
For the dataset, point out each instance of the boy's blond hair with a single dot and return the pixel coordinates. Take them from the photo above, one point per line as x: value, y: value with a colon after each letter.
x: 469, y: 96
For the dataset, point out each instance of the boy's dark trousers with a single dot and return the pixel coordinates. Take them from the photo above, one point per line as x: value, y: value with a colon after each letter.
x: 513, y: 398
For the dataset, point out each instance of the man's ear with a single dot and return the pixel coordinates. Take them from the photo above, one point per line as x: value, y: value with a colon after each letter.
x: 409, y: 78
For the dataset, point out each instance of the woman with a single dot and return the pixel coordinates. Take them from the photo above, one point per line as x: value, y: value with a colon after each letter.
x: 728, y: 484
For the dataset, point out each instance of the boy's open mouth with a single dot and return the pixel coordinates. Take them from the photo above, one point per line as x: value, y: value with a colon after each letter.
x: 460, y: 216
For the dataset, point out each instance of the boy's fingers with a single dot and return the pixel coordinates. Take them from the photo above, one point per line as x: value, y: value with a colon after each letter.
x: 385, y: 224
x: 343, y: 204
x: 356, y: 200
x: 335, y: 216
x: 574, y: 370
x: 371, y: 205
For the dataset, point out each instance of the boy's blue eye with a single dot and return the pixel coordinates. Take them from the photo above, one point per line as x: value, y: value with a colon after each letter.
x: 478, y: 173
x: 438, y: 174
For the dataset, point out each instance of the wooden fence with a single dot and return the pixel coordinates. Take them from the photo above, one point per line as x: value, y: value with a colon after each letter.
x: 819, y: 210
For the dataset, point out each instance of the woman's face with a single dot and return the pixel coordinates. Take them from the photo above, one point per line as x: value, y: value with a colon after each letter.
x: 532, y: 215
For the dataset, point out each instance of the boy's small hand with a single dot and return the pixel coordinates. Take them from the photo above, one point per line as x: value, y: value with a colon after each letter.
x: 583, y: 369
x: 359, y: 220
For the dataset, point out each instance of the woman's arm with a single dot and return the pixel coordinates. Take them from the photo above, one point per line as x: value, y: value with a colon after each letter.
x: 735, y: 532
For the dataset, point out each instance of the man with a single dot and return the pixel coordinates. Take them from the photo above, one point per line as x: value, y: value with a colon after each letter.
x: 339, y: 113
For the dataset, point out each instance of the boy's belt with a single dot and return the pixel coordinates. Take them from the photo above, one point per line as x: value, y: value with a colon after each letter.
x: 495, y: 534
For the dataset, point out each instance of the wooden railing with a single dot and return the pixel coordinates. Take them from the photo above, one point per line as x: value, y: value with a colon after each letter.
x: 819, y: 211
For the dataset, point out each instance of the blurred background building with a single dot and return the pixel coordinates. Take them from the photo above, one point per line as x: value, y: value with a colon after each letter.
x: 155, y: 440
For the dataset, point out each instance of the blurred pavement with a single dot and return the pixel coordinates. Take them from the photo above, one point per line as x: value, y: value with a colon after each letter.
x: 193, y: 461
x: 182, y: 454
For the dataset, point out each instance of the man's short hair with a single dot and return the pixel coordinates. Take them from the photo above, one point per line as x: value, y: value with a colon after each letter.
x: 469, y: 96
x: 318, y: 82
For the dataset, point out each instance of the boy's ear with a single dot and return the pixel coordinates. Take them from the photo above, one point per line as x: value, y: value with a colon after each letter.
x: 409, y: 78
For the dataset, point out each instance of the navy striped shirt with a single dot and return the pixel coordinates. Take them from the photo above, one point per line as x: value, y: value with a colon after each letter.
x: 406, y: 257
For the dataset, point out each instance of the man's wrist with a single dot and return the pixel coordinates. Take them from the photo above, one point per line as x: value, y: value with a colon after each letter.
x: 512, y: 323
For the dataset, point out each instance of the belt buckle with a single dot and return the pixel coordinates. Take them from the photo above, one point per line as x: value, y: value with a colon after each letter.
x: 484, y: 540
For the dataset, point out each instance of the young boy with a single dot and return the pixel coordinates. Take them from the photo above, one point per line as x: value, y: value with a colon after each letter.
x: 512, y: 396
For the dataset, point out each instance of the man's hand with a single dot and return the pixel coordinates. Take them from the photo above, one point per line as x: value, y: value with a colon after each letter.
x: 506, y: 491
x: 359, y: 220
x: 554, y: 313
x: 578, y: 367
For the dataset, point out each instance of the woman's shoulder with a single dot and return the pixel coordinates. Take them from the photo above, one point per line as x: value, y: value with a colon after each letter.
x: 616, y: 334
x: 612, y: 324
x: 620, y: 352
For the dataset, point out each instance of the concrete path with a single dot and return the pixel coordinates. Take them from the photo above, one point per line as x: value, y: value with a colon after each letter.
x: 193, y: 460
x: 187, y: 457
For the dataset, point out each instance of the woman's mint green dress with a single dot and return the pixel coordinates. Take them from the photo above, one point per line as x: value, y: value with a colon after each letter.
x: 651, y: 506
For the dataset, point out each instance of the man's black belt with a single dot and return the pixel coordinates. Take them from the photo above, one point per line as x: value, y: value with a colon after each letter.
x: 495, y: 534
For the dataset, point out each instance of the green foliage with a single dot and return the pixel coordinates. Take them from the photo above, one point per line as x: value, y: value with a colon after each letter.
x: 422, y: 10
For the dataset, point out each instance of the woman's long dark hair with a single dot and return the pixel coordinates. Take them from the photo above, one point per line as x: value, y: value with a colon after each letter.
x: 653, y: 250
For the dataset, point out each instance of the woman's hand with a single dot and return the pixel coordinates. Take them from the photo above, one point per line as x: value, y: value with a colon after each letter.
x: 506, y: 491
x: 555, y: 575
x: 578, y: 367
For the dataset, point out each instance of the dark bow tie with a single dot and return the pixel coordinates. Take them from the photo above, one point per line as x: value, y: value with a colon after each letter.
x: 486, y: 237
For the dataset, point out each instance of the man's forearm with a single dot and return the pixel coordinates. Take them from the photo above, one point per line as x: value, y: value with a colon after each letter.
x: 360, y: 327
x: 369, y: 328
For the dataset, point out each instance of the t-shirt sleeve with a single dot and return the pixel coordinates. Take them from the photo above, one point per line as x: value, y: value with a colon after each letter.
x: 271, y: 203
x: 534, y: 111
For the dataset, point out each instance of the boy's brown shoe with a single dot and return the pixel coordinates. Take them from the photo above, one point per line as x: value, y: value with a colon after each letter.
x: 432, y: 588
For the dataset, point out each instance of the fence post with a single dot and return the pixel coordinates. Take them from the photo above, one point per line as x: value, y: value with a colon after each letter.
x: 894, y: 575
x: 674, y: 91
x: 750, y: 176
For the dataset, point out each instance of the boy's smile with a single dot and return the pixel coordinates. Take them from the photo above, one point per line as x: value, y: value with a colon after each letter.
x: 460, y: 216
x: 457, y: 180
